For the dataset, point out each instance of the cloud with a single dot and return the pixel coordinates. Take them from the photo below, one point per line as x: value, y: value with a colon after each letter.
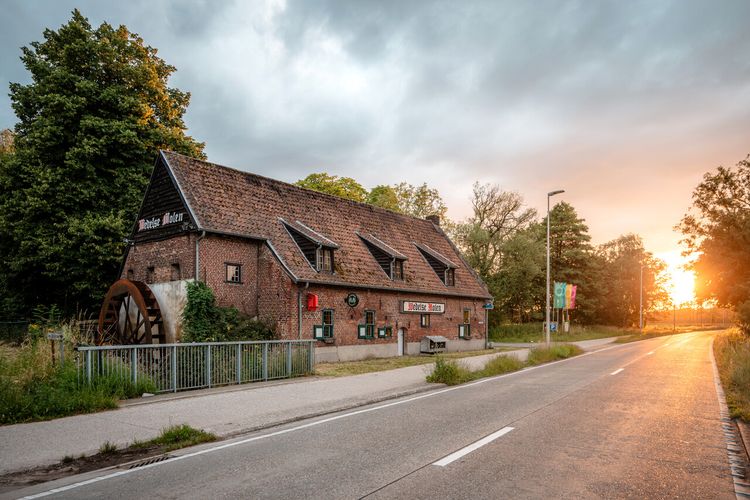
x: 624, y: 104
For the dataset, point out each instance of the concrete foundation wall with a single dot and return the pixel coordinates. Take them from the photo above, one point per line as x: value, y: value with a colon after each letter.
x: 332, y: 354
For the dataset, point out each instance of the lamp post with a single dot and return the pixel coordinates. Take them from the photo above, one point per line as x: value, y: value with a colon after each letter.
x: 547, y: 312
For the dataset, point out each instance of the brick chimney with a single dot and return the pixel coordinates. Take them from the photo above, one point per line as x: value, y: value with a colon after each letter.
x: 435, y: 219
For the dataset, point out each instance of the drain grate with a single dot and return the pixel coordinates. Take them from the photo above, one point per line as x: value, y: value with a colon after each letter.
x: 150, y: 461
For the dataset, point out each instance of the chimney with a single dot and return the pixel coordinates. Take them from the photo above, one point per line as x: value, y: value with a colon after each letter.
x: 435, y: 219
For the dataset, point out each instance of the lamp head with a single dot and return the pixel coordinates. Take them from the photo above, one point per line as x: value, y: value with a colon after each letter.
x: 553, y: 193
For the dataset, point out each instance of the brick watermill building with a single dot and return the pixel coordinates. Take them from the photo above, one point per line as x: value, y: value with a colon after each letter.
x: 361, y: 280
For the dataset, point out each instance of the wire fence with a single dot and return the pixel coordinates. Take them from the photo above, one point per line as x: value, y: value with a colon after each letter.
x: 180, y: 367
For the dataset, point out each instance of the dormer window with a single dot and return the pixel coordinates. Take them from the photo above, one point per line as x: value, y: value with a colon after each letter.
x: 317, y: 249
x: 443, y: 267
x: 389, y: 260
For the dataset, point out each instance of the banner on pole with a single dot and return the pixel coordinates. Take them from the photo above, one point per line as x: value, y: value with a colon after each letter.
x: 573, y: 289
x: 559, y: 295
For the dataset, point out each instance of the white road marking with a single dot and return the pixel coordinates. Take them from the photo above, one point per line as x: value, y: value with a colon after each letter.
x: 309, y: 424
x: 617, y: 371
x: 474, y: 446
x: 649, y: 353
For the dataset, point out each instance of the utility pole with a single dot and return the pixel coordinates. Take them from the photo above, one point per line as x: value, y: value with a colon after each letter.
x: 640, y: 309
x: 547, y: 313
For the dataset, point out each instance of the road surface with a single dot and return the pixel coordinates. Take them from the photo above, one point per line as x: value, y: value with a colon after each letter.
x: 630, y: 421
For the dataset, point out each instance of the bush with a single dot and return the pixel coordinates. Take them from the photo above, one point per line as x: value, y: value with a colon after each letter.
x: 502, y: 364
x: 204, y: 321
x: 539, y: 355
x: 449, y: 372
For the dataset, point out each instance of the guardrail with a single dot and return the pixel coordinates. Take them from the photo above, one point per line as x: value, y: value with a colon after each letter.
x: 180, y: 367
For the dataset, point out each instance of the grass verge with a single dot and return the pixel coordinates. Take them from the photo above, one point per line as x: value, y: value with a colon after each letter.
x: 171, y: 438
x: 732, y: 352
x: 33, y: 388
x: 452, y: 372
x: 532, y: 332
x: 345, y: 368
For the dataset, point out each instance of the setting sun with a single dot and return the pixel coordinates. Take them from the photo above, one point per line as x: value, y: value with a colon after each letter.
x: 681, y: 283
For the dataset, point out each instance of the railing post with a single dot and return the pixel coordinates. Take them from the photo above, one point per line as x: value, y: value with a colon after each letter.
x: 310, y: 356
x: 239, y: 363
x: 174, y: 368
x: 265, y: 361
x: 88, y: 367
x: 289, y: 359
x: 208, y: 365
x: 134, y: 365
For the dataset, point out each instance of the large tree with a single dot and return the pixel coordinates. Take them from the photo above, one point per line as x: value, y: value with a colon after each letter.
x: 717, y: 232
x: 419, y: 201
x: 572, y: 258
x: 626, y: 267
x: 89, y: 126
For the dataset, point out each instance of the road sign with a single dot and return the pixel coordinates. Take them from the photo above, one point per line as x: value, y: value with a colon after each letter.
x: 54, y: 336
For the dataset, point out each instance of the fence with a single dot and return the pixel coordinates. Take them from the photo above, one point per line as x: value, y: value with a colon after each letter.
x: 179, y: 367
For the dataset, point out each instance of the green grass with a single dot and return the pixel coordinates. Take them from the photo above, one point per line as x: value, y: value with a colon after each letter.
x: 177, y: 436
x: 732, y: 352
x: 532, y: 332
x: 32, y: 388
x: 346, y: 368
x: 452, y: 372
x: 107, y: 448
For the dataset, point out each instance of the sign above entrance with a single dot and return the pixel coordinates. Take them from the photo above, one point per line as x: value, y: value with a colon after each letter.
x: 422, y: 307
x: 154, y: 222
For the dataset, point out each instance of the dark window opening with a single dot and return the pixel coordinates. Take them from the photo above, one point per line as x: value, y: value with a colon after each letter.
x: 233, y: 273
x: 424, y: 321
x: 325, y: 260
x: 444, y: 269
x: 150, y: 275
x: 176, y: 274
x: 467, y: 316
x: 328, y: 323
x: 367, y: 330
x: 390, y: 261
x: 131, y: 274
x: 450, y: 277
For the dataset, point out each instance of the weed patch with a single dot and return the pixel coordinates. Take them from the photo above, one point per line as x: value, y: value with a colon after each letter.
x: 540, y: 355
x: 179, y: 436
x: 732, y: 352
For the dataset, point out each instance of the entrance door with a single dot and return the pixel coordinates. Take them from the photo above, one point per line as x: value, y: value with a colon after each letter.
x: 400, y: 341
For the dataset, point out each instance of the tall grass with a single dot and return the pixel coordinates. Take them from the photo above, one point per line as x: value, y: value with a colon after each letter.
x: 451, y: 372
x: 532, y: 332
x: 732, y: 351
x: 33, y: 388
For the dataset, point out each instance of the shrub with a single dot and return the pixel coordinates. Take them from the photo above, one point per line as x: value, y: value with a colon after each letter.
x: 449, y: 372
x: 180, y: 436
x: 539, y: 355
x: 204, y: 321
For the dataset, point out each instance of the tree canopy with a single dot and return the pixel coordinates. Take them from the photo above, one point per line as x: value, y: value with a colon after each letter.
x: 717, y: 231
x: 90, y: 122
x: 343, y: 187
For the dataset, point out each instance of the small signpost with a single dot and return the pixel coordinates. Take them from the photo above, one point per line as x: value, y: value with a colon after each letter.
x: 57, y: 336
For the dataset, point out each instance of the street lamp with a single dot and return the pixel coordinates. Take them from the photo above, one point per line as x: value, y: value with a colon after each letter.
x: 640, y: 305
x: 547, y: 316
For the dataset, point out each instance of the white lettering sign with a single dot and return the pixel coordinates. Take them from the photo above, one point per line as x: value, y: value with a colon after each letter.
x: 154, y: 222
x: 422, y: 307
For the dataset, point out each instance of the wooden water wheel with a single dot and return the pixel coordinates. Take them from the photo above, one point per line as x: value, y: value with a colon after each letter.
x: 129, y: 314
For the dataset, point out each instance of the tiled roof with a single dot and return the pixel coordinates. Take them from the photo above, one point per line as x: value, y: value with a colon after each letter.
x: 230, y: 201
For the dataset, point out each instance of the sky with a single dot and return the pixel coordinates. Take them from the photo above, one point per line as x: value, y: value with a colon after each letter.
x: 624, y: 105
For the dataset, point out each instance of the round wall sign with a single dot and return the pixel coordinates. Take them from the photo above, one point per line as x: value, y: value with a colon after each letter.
x: 352, y: 300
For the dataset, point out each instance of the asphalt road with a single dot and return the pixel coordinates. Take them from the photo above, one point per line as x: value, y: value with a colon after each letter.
x: 638, y: 420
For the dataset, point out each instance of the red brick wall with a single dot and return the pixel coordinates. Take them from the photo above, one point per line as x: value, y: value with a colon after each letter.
x: 277, y: 295
x: 387, y: 307
x: 161, y: 255
x: 215, y: 253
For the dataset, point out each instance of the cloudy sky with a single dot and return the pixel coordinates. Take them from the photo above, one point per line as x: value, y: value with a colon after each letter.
x: 624, y: 104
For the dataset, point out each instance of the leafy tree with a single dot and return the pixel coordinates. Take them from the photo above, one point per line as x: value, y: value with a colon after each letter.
x: 498, y: 215
x: 419, y: 201
x: 572, y: 257
x: 384, y: 197
x: 619, y: 292
x: 717, y: 230
x: 90, y: 122
x: 518, y: 285
x: 344, y: 187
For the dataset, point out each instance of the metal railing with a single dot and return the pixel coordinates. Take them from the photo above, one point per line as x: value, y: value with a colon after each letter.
x: 180, y: 367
